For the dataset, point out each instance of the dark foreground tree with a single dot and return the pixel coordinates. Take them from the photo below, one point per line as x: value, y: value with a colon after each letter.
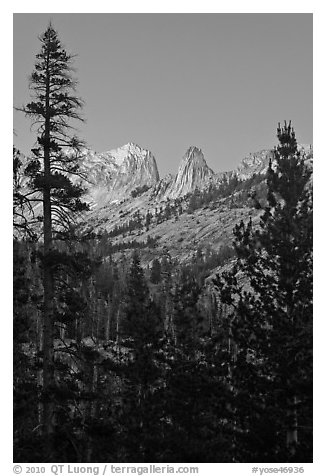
x: 155, y: 276
x: 55, y: 157
x: 269, y: 293
x: 141, y: 332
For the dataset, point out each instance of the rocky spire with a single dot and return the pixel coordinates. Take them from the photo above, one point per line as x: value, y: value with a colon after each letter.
x: 193, y: 173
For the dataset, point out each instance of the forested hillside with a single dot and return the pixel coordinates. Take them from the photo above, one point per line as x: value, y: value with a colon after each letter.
x: 167, y: 323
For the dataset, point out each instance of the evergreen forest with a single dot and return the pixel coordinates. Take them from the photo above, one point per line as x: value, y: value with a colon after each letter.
x: 117, y: 361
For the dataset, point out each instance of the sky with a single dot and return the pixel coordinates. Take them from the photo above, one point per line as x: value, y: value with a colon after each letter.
x: 221, y: 82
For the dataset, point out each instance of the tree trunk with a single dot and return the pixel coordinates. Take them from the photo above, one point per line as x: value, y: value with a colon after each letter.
x: 118, y: 327
x: 48, y: 285
x: 39, y: 346
x: 292, y: 431
x: 48, y: 328
x: 108, y: 322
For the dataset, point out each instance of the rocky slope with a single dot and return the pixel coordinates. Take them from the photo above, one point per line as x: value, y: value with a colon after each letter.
x: 137, y: 169
x: 112, y: 176
x: 118, y: 174
x: 183, y: 230
x: 134, y: 207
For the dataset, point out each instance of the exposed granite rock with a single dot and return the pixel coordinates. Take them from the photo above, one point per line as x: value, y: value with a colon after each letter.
x: 112, y: 176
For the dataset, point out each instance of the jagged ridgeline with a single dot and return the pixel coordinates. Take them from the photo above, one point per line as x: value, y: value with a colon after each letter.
x: 143, y: 357
x: 196, y: 209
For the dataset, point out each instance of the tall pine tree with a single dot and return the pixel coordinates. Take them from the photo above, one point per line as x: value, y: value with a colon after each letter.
x: 56, y: 154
